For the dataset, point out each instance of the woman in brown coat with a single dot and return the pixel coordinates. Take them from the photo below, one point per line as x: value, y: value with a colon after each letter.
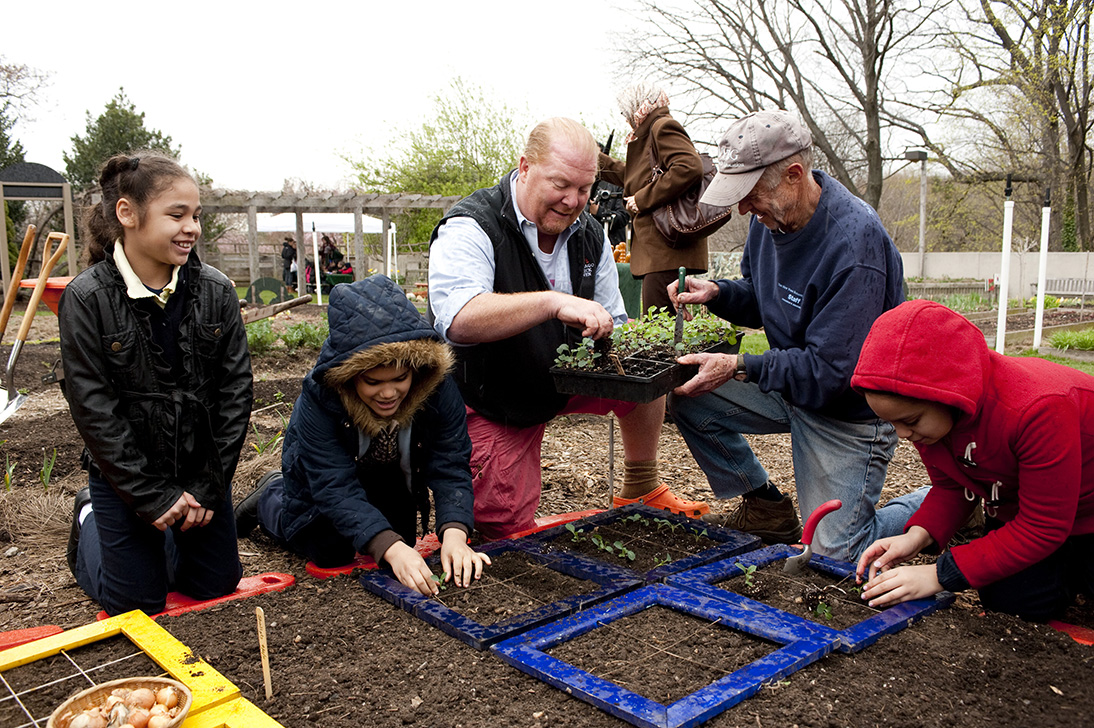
x: 645, y: 106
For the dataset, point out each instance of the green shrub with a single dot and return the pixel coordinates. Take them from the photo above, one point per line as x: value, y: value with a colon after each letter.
x: 968, y: 302
x: 1081, y: 340
x: 261, y: 338
x: 305, y: 335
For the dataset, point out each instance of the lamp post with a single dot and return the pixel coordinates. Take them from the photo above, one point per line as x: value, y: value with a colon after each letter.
x: 920, y: 155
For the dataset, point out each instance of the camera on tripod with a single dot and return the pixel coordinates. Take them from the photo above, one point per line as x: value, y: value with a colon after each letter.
x: 604, y: 196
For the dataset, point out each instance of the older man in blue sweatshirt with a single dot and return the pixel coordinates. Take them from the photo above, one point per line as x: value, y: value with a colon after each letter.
x: 817, y: 269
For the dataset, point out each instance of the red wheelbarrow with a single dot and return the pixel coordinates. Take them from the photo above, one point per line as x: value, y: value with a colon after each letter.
x: 51, y: 296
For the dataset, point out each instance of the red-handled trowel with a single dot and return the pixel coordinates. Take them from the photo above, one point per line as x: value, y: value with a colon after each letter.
x: 796, y: 564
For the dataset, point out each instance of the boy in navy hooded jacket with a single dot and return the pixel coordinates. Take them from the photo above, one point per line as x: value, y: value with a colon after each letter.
x: 378, y: 425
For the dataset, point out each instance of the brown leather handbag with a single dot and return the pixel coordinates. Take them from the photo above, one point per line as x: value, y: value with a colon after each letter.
x: 685, y: 221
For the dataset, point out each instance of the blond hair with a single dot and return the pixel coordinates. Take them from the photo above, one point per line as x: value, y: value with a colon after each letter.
x: 558, y: 129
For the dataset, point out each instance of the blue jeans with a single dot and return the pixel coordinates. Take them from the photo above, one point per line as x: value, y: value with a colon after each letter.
x: 832, y: 459
x: 124, y: 563
x: 318, y: 541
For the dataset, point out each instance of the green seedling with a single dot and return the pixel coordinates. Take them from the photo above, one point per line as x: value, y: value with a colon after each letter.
x: 700, y: 534
x: 576, y: 533
x: 637, y: 518
x: 261, y: 445
x: 624, y: 552
x: 9, y: 472
x: 47, y: 469
x: 440, y: 581
x: 748, y: 571
x: 665, y: 523
x: 823, y: 610
x: 601, y: 544
x: 662, y: 560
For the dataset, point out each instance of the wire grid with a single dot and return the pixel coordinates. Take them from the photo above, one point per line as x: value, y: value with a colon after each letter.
x: 31, y: 692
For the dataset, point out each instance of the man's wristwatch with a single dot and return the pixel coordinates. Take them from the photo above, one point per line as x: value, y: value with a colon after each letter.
x: 741, y: 373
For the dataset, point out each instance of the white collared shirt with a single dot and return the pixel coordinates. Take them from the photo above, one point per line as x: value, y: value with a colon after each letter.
x: 461, y: 266
x: 134, y: 287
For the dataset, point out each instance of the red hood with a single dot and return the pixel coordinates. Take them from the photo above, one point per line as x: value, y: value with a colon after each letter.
x: 924, y: 350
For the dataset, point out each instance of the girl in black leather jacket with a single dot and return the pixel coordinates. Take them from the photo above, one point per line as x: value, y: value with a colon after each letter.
x: 158, y: 380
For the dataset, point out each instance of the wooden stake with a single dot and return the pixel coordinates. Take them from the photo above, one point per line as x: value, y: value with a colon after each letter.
x: 264, y: 650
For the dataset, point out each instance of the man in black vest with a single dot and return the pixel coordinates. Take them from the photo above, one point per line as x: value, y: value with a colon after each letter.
x: 515, y: 270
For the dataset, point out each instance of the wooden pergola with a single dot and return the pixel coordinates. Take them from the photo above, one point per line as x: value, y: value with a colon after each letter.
x: 383, y: 206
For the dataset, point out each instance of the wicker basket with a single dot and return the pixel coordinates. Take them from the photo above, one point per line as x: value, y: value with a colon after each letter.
x: 98, y: 694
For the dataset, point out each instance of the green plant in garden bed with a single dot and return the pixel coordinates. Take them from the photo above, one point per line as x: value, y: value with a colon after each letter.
x: 1081, y: 340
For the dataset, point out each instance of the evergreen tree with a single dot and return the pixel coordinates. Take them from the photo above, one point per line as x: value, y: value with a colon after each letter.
x: 119, y: 129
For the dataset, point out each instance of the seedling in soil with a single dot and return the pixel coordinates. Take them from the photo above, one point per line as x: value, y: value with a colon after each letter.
x: 624, y: 552
x: 664, y: 523
x: 47, y: 469
x: 663, y: 560
x: 638, y: 518
x: 601, y: 544
x: 749, y: 571
x: 577, y: 533
x: 261, y: 444
x: 9, y: 472
x: 581, y: 356
x: 823, y: 610
x: 440, y: 581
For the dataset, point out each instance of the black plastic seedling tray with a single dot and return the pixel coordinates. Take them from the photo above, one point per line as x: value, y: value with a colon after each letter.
x: 659, y: 378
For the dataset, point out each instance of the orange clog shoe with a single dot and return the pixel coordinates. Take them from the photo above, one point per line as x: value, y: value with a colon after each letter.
x: 663, y: 498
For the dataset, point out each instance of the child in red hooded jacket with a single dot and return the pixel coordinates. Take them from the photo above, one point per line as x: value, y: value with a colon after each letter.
x: 1015, y: 432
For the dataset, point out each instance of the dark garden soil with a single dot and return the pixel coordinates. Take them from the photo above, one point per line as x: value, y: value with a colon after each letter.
x: 514, y: 584
x: 811, y: 594
x: 662, y: 654
x: 343, y: 657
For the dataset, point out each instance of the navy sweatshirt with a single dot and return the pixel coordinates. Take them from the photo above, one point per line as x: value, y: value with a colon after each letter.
x: 815, y: 292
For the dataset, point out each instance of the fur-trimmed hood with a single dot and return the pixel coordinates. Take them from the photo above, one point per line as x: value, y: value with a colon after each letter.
x: 373, y: 324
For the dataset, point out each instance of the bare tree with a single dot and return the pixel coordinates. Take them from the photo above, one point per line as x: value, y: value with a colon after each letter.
x: 18, y: 85
x: 831, y: 60
x: 1019, y: 81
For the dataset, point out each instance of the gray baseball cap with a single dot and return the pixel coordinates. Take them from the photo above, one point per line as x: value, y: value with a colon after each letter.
x: 750, y: 145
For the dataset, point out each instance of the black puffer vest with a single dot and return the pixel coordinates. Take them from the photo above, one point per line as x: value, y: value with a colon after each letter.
x: 508, y: 381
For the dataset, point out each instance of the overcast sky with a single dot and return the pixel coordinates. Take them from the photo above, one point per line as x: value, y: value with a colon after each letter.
x: 255, y: 93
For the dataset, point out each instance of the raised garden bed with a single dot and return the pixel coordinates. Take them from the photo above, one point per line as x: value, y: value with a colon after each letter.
x: 522, y: 589
x: 647, y: 542
x: 663, y: 656
x: 824, y: 596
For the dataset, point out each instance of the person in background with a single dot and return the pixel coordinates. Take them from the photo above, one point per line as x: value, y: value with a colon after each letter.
x: 288, y: 258
x: 817, y: 269
x: 378, y: 426
x: 1014, y: 432
x: 655, y: 135
x: 516, y: 270
x: 158, y: 381
x: 330, y: 256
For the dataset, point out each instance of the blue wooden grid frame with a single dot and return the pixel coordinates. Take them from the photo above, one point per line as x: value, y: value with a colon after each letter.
x: 731, y: 542
x: 527, y: 652
x: 851, y: 639
x: 612, y: 580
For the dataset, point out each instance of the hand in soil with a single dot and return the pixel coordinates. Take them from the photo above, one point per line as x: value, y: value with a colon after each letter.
x: 902, y: 584
x: 410, y: 569
x: 460, y: 562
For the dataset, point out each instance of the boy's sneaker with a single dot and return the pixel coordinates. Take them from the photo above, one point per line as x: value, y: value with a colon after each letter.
x: 246, y: 512
x: 83, y: 497
x: 771, y: 521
